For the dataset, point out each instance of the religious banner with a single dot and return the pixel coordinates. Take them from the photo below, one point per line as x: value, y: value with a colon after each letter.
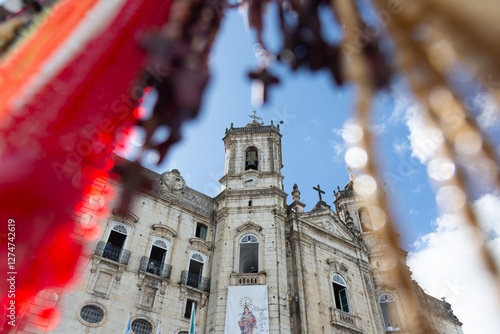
x: 247, y: 310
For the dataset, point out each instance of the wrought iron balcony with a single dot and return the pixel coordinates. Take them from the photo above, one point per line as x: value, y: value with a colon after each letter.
x: 195, y: 281
x: 155, y: 267
x: 113, y: 253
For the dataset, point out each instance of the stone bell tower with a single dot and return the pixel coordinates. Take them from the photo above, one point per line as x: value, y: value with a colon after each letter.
x: 250, y: 226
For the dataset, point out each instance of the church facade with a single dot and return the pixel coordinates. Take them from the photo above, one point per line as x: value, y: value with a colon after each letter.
x: 245, y: 261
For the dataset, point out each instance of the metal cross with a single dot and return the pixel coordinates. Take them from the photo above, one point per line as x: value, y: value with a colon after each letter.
x: 319, y: 192
x: 254, y: 116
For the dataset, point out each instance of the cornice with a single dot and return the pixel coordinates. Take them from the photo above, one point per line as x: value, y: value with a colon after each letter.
x: 160, y: 227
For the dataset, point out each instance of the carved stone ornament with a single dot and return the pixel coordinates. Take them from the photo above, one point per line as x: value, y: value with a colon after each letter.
x: 183, y: 293
x: 203, y: 300
x: 140, y: 281
x: 173, y: 181
x: 250, y: 226
x: 119, y: 273
x: 332, y: 265
x: 163, y: 286
x: 94, y: 265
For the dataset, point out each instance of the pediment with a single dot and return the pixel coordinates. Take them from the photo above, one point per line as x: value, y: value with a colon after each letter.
x: 200, y: 243
x: 336, y: 266
x: 129, y: 215
x: 384, y: 287
x: 164, y: 231
x: 331, y: 225
x: 249, y: 226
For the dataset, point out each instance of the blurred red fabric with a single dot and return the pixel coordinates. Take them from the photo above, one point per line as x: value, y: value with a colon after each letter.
x: 60, y: 143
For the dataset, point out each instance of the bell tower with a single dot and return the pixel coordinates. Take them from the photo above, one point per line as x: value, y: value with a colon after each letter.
x: 250, y: 253
x: 253, y: 157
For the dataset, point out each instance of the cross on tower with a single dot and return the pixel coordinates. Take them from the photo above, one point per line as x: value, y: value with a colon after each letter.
x: 319, y: 192
x: 254, y: 116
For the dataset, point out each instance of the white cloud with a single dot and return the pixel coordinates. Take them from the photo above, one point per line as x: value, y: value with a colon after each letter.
x: 489, y: 113
x: 425, y: 141
x: 402, y: 101
x: 350, y: 133
x: 378, y: 129
x: 339, y: 149
x: 346, y: 131
x: 447, y: 263
x: 400, y: 146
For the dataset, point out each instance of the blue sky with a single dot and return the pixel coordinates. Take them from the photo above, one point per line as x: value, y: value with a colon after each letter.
x: 315, y: 114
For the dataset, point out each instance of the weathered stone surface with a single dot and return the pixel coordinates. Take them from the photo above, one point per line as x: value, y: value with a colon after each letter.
x: 299, y: 253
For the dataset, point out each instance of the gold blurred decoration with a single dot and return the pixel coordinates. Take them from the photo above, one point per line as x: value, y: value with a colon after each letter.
x: 457, y: 33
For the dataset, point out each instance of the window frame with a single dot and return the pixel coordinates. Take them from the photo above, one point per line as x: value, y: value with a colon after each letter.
x: 146, y: 320
x: 154, y: 239
x: 203, y: 256
x: 255, y: 149
x: 196, y: 230
x: 90, y: 324
x: 396, y: 307
x: 193, y: 302
x: 111, y: 229
x: 341, y: 283
x: 239, y: 250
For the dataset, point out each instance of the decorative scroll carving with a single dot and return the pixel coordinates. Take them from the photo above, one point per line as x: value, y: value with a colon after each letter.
x: 249, y: 226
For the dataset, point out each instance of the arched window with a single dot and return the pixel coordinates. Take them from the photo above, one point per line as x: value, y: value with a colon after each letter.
x: 118, y: 235
x: 197, y: 257
x: 366, y: 221
x: 249, y: 254
x: 340, y: 293
x: 251, y: 158
x: 116, y: 242
x: 160, y: 243
x: 156, y: 263
x: 194, y: 275
x: 389, y: 310
x: 141, y: 326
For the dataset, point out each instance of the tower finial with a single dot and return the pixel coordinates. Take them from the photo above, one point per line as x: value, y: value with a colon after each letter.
x: 296, y: 193
x: 318, y: 189
x: 254, y: 116
x: 351, y: 174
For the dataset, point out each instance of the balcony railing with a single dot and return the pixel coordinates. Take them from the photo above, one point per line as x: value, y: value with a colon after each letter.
x: 248, y: 279
x: 113, y: 253
x: 195, y: 281
x: 155, y: 267
x: 343, y: 318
